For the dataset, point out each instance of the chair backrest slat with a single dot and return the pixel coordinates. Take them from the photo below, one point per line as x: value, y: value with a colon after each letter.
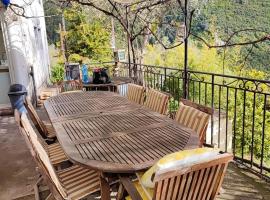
x: 157, y: 101
x: 199, y: 181
x: 41, y: 156
x: 135, y: 93
x: 189, y: 115
x: 40, y: 126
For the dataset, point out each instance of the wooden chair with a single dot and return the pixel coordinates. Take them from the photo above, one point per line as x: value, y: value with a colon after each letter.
x: 194, y: 116
x: 46, y: 130
x: 73, y: 183
x: 71, y: 86
x: 55, y: 151
x: 201, y: 181
x: 135, y: 93
x: 157, y: 101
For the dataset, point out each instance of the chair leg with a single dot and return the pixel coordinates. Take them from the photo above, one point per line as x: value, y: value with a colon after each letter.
x: 50, y: 197
x: 120, y: 193
x: 36, y: 190
x: 105, y: 187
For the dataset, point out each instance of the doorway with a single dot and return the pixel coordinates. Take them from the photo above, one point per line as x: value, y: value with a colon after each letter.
x: 4, y: 72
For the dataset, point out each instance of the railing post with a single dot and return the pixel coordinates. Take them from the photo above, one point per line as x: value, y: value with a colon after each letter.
x: 128, y: 43
x: 213, y: 107
x: 185, y: 85
x: 185, y: 88
x: 165, y: 78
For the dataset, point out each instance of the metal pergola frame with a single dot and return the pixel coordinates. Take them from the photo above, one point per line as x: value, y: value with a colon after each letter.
x: 186, y: 40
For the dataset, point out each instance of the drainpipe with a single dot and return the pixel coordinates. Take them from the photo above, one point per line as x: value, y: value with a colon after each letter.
x: 34, y: 97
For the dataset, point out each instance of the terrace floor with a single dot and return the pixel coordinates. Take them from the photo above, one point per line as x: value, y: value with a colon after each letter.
x: 18, y: 174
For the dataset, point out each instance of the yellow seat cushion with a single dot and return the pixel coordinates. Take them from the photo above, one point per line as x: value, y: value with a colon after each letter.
x: 146, y: 193
x: 177, y: 160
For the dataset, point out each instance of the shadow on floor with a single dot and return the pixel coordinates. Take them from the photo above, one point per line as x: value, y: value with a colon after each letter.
x: 17, y: 169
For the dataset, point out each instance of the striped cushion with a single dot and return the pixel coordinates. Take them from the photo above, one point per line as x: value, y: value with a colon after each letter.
x: 157, y: 101
x: 193, y: 119
x: 135, y: 93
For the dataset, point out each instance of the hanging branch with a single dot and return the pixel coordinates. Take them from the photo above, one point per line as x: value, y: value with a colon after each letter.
x: 20, y: 11
x: 228, y: 44
x: 162, y: 44
x: 246, y: 58
x: 181, y: 5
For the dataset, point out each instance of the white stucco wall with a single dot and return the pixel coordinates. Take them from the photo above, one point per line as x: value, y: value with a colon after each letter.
x: 26, y: 44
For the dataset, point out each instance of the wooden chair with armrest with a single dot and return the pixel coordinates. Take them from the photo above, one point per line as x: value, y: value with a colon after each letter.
x: 72, y: 183
x: 194, y: 116
x: 200, y: 181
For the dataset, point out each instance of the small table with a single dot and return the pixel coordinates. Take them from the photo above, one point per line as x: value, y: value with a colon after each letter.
x: 104, y: 131
x: 113, y: 86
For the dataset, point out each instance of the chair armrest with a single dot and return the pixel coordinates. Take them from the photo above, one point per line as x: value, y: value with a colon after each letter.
x: 130, y: 188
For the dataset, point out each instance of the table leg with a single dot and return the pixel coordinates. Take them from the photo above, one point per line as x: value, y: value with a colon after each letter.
x: 104, y: 187
x: 120, y: 193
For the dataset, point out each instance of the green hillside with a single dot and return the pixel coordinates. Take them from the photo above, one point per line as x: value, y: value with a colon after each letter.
x: 228, y: 16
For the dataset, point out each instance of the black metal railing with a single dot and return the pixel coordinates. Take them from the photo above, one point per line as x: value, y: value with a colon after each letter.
x: 241, y: 123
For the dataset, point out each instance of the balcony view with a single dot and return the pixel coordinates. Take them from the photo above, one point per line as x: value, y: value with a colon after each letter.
x: 135, y: 99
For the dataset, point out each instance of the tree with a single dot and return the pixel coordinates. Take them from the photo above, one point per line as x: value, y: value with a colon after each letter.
x: 88, y: 39
x: 53, y: 19
x: 126, y: 14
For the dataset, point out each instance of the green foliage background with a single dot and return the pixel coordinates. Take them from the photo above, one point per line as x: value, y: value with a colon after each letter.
x: 86, y: 38
x: 240, y: 109
x: 228, y: 16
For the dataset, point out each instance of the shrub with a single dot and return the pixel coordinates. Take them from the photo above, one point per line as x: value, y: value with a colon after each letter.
x: 57, y: 73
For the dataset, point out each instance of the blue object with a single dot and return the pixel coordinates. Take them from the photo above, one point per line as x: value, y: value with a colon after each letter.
x: 6, y: 2
x: 16, y: 95
x: 85, y: 73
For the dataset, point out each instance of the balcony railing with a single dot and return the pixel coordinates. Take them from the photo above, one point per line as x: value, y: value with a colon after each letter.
x: 242, y: 111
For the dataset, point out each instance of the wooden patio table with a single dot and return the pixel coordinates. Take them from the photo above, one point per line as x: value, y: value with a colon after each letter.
x: 106, y: 132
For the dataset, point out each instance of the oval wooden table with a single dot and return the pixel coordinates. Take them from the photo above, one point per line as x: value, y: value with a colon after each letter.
x: 106, y: 132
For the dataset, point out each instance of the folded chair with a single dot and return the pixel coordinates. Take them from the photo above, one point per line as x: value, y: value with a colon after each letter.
x: 198, y: 181
x: 157, y: 101
x: 135, y: 93
x: 45, y: 129
x: 194, y: 116
x: 55, y: 151
x: 71, y: 86
x: 72, y: 183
